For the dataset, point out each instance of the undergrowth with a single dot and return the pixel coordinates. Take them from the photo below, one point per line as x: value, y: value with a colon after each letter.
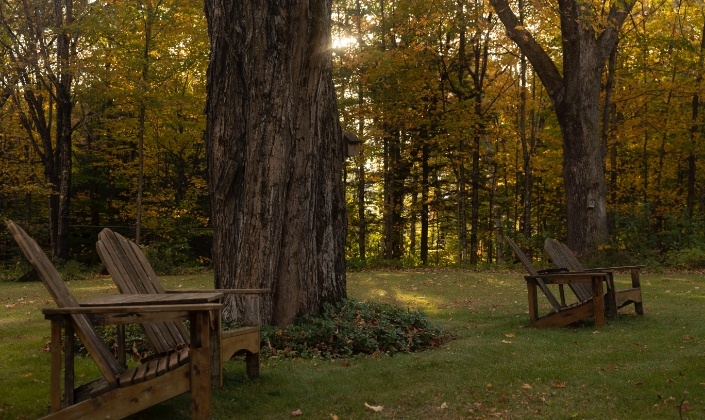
x: 352, y: 328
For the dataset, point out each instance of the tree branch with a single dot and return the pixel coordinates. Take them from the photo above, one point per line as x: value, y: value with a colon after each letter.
x: 542, y: 63
x: 609, y: 37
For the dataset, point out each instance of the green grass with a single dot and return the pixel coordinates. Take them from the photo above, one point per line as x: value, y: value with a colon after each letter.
x: 649, y: 367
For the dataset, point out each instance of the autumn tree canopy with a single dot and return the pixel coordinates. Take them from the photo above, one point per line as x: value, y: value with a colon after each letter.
x: 463, y: 135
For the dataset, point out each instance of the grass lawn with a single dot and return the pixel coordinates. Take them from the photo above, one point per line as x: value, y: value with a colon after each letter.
x: 650, y: 367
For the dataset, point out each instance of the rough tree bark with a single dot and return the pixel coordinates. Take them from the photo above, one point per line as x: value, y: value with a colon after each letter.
x: 275, y: 155
x: 575, y: 95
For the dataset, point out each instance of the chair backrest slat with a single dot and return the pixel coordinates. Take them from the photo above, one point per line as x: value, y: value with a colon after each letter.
x: 532, y: 271
x: 106, y: 362
x: 133, y: 274
x: 563, y: 257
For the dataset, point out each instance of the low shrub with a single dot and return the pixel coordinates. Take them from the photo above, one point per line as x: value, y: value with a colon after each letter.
x: 689, y: 258
x: 350, y: 328
x: 73, y: 270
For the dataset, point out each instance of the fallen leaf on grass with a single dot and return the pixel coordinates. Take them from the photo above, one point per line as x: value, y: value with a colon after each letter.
x: 333, y: 416
x: 375, y: 408
x: 510, y: 335
x: 444, y: 406
x: 526, y: 386
x: 296, y: 413
x: 559, y: 384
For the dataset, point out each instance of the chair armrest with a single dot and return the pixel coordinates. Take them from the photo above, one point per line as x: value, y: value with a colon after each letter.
x: 119, y: 315
x: 251, y: 297
x: 568, y: 278
x: 224, y: 291
x: 620, y: 268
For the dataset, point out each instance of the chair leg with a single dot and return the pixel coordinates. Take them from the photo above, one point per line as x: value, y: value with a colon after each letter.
x: 636, y: 284
x: 639, y: 308
x: 252, y: 365
x: 611, y: 299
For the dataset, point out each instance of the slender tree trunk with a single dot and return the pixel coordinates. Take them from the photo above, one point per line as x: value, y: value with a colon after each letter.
x: 43, y: 69
x: 424, y: 201
x: 607, y: 111
x: 275, y: 155
x: 149, y: 12
x: 526, y: 227
x: 361, y: 223
x: 387, y: 193
x: 361, y: 227
x: 694, y: 133
x: 479, y: 72
x: 525, y: 152
x: 140, y: 173
x: 63, y: 15
x: 413, y: 217
x: 395, y: 174
x: 462, y: 201
x: 475, y: 196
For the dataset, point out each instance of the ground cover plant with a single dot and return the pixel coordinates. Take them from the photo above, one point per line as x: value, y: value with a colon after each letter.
x: 647, y: 367
x: 352, y: 328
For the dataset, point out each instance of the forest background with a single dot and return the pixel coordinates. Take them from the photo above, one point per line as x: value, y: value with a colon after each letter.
x: 102, y: 123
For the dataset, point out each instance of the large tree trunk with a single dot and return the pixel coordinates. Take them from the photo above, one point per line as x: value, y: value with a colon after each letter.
x: 275, y: 155
x: 583, y: 156
x: 575, y: 95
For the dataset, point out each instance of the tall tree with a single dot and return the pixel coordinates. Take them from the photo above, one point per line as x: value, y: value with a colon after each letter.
x: 588, y: 39
x: 275, y: 155
x: 39, y: 46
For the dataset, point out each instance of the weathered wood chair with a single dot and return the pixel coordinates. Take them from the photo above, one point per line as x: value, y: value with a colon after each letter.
x: 561, y: 314
x: 132, y: 273
x: 121, y: 391
x: 563, y: 257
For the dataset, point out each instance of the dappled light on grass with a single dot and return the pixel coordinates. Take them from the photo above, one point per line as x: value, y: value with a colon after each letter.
x: 644, y: 367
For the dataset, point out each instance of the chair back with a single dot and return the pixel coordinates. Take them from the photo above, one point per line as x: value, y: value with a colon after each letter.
x: 563, y: 257
x: 108, y: 365
x: 133, y: 274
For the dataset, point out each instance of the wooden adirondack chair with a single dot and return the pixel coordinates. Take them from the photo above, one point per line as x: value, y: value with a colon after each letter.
x: 133, y: 274
x: 563, y: 257
x: 120, y: 391
x: 561, y: 314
